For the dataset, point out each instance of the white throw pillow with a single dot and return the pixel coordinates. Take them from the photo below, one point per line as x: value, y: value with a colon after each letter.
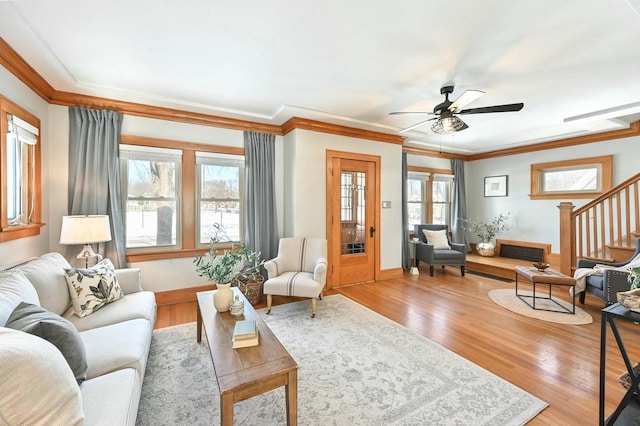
x: 38, y: 387
x: 15, y: 287
x: 438, y: 239
x: 93, y: 288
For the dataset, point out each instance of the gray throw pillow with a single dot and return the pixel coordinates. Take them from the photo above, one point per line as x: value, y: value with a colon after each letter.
x: 36, y: 320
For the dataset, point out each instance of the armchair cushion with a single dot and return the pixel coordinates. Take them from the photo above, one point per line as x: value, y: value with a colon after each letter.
x: 299, y: 284
x: 438, y: 239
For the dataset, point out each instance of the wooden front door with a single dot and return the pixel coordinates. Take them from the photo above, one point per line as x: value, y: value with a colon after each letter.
x: 352, y: 218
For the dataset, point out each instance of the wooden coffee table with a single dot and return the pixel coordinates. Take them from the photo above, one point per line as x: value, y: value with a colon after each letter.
x: 548, y: 277
x: 246, y: 372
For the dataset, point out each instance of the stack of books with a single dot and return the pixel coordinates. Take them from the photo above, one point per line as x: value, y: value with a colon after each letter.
x: 245, y: 334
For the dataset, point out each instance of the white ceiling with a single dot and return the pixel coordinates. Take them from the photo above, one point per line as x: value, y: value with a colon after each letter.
x: 348, y: 62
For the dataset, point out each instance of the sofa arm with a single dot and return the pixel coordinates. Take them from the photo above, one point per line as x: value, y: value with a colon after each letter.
x: 129, y: 280
x: 462, y: 248
x: 320, y: 271
x: 614, y: 282
x: 272, y: 268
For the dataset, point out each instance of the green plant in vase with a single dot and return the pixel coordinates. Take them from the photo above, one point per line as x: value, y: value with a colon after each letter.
x: 486, y: 231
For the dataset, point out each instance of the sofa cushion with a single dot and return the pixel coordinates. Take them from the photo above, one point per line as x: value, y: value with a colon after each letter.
x: 37, y: 384
x: 36, y: 320
x: 121, y: 389
x: 46, y: 273
x: 438, y: 239
x: 131, y: 306
x: 93, y: 288
x: 15, y: 287
x: 117, y: 346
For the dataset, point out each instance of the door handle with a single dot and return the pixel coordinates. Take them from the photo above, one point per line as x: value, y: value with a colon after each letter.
x: 371, y: 231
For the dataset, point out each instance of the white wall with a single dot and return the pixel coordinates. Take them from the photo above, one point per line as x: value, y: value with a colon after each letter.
x: 539, y: 220
x: 14, y: 90
x: 308, y: 177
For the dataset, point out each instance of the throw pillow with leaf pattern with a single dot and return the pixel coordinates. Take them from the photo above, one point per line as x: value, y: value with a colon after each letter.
x: 93, y: 288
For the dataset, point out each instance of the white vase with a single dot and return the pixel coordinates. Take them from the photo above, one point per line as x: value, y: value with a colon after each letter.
x: 486, y: 248
x: 222, y: 297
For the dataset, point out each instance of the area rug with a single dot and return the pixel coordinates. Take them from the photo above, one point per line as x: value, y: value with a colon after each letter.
x: 506, y: 297
x: 356, y: 367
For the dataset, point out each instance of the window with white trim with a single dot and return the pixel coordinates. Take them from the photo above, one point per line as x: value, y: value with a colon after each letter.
x: 220, y: 197
x: 151, y: 183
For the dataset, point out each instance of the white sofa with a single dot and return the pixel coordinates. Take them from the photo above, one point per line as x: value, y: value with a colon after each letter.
x: 38, y: 386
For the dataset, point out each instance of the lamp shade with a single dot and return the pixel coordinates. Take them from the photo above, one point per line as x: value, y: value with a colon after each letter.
x: 85, y: 229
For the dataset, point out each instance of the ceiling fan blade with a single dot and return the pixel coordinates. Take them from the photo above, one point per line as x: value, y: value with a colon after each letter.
x: 416, y: 125
x: 466, y: 98
x: 411, y: 112
x: 495, y: 108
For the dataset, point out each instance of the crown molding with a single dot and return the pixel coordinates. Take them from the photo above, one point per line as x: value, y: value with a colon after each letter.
x: 336, y: 129
x: 17, y: 66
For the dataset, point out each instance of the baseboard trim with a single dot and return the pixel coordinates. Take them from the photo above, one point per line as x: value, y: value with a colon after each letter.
x: 180, y: 295
x: 390, y: 274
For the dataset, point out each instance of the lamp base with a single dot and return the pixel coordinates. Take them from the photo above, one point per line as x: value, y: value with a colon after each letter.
x: 86, y: 254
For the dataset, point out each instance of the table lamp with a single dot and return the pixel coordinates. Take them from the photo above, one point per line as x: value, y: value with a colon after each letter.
x: 85, y: 230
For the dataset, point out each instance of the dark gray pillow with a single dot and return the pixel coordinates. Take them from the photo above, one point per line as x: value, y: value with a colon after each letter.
x: 36, y: 320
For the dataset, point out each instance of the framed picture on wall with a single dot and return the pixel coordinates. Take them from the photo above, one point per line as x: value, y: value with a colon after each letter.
x: 496, y: 186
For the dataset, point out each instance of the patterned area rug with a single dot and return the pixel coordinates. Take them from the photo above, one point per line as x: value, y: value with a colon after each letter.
x: 356, y: 367
x: 506, y: 297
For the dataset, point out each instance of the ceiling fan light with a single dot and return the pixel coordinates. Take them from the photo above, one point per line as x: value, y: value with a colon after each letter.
x: 448, y: 125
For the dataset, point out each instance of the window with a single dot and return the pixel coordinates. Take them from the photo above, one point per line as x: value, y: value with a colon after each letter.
x: 428, y: 197
x: 178, y: 194
x: 220, y: 180
x: 20, y: 172
x: 151, y: 184
x: 581, y: 178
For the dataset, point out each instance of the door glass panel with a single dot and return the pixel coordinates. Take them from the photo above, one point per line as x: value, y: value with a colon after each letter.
x: 352, y: 211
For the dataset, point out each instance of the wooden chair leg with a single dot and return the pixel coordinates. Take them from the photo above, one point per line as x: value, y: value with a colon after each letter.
x: 269, y: 301
x: 462, y: 270
x: 431, y: 270
x: 314, y: 305
x: 581, y: 296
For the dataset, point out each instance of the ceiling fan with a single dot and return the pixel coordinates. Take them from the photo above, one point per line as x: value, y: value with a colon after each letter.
x: 446, y: 113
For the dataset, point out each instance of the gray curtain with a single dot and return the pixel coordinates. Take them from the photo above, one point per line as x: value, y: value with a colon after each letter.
x: 459, y: 204
x: 94, y: 173
x: 406, y: 254
x: 261, y: 226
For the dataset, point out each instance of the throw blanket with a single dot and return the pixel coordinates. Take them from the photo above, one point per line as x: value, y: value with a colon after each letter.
x: 581, y: 274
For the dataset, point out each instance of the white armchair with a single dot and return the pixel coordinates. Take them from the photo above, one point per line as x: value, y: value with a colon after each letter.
x: 300, y: 270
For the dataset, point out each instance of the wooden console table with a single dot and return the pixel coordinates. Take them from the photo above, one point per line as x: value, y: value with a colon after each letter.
x: 246, y: 372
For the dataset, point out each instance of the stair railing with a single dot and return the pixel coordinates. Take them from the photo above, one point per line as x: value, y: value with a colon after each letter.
x: 610, y: 219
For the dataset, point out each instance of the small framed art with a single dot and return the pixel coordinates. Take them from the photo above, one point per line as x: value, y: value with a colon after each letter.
x: 496, y: 186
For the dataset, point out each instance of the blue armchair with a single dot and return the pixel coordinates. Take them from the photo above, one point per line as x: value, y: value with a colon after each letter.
x: 426, y: 252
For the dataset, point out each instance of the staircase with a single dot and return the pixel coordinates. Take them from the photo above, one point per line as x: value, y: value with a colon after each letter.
x: 604, y: 229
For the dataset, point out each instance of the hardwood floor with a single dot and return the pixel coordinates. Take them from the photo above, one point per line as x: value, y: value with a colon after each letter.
x: 557, y: 363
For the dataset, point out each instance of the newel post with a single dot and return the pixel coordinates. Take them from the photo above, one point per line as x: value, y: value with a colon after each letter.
x: 567, y: 238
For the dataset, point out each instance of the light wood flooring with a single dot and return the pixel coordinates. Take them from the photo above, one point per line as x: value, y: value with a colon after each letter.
x: 557, y: 363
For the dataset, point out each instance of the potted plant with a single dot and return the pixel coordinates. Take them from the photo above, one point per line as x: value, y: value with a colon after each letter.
x: 237, y: 266
x: 486, y: 231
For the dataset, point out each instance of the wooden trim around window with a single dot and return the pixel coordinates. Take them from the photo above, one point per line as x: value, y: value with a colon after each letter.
x: 7, y: 232
x: 430, y: 170
x: 606, y: 177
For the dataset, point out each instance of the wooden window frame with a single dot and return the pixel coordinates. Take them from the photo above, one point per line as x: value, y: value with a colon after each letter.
x: 605, y: 177
x: 13, y: 232
x: 428, y: 187
x: 188, y: 245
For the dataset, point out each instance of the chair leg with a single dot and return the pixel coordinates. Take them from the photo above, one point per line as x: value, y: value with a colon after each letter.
x: 462, y: 270
x: 431, y: 270
x: 314, y: 305
x: 581, y: 297
x: 269, y: 301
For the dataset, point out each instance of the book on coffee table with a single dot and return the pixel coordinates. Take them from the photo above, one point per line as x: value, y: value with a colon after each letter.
x: 246, y: 342
x: 244, y: 329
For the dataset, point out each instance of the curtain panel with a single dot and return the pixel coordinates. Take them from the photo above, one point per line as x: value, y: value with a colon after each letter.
x: 261, y: 221
x: 459, y: 204
x: 406, y: 253
x: 94, y: 173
